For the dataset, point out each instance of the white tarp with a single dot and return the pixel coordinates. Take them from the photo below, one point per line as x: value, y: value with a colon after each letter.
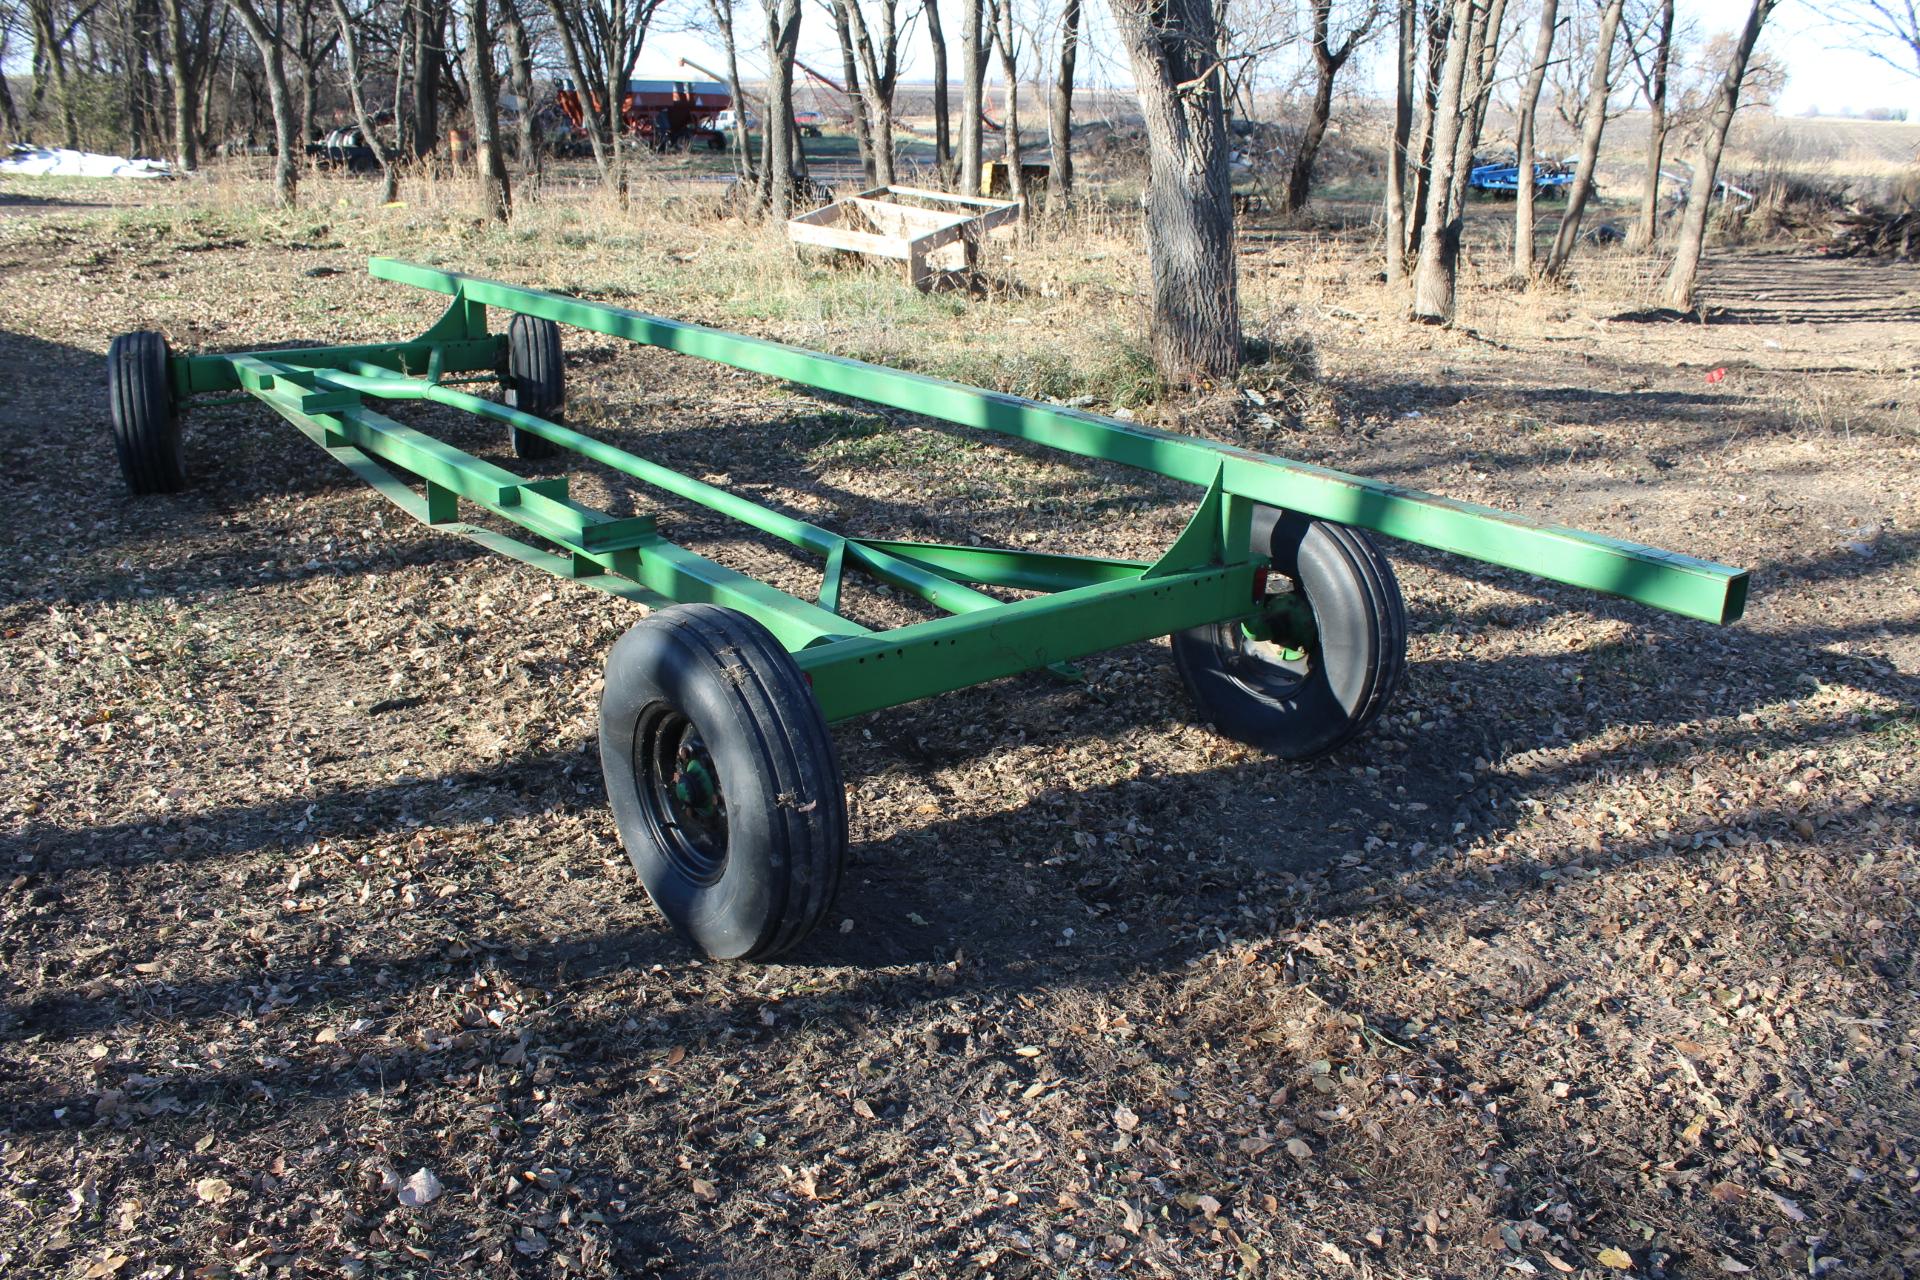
x: 41, y: 162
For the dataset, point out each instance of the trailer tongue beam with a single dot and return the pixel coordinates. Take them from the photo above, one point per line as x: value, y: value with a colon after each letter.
x: 1286, y: 620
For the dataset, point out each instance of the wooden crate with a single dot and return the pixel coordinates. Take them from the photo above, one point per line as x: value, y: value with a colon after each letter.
x: 929, y: 231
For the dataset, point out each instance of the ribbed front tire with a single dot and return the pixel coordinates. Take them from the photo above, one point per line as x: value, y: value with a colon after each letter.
x: 1305, y: 688
x: 140, y: 413
x: 536, y: 381
x: 723, y: 780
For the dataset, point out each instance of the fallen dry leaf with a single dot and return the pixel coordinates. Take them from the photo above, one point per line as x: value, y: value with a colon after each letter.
x: 214, y: 1190
x: 1618, y: 1259
x: 420, y: 1190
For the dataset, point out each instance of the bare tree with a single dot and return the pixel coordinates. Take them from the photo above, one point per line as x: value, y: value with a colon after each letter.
x: 1189, y: 199
x: 880, y: 60
x: 350, y: 47
x: 1434, y: 273
x: 8, y: 111
x: 856, y: 92
x: 1893, y: 21
x: 600, y: 40
x: 1476, y: 88
x: 1002, y: 11
x: 186, y: 145
x: 425, y: 34
x: 1060, y: 118
x: 783, y: 41
x: 976, y: 36
x: 722, y: 11
x: 942, y: 121
x: 1524, y: 192
x: 1685, y: 272
x: 1397, y: 152
x: 520, y: 63
x: 1599, y: 87
x: 267, y: 39
x: 1328, y: 59
x: 496, y: 193
x: 1439, y: 25
x: 1650, y: 67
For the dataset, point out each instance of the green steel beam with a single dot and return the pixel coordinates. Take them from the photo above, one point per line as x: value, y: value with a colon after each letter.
x: 850, y: 677
x: 665, y: 572
x: 1001, y: 567
x: 937, y: 589
x: 193, y: 375
x: 1666, y: 580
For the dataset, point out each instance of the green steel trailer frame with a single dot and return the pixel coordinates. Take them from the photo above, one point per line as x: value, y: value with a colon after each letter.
x: 1287, y: 621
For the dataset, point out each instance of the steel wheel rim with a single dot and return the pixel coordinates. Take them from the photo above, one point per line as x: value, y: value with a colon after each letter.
x: 679, y: 787
x: 1267, y: 668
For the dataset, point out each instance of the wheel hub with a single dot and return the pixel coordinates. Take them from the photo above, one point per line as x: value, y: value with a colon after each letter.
x: 679, y: 781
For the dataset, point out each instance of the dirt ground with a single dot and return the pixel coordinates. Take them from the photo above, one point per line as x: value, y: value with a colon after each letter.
x: 1597, y: 957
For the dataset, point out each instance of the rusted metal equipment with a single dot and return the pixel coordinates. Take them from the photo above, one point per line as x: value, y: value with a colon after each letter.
x: 1286, y: 619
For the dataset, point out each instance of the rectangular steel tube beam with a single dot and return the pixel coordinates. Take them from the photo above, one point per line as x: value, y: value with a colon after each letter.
x: 850, y: 677
x: 667, y: 571
x: 1663, y: 579
x: 193, y: 374
x: 939, y: 590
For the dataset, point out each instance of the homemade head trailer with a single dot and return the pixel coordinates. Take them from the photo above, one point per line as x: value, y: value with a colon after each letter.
x: 1286, y: 619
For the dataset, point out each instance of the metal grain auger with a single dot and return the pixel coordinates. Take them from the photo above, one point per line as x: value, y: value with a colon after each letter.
x: 1286, y: 618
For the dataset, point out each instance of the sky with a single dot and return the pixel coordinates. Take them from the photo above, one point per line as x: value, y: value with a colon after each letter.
x: 1827, y: 69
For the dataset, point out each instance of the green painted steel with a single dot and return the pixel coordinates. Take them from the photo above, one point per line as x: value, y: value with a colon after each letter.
x: 665, y: 571
x: 1666, y: 580
x: 850, y: 677
x: 937, y: 589
x: 1088, y: 603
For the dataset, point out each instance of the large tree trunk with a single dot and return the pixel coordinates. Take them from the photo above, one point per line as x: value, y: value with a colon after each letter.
x: 783, y: 40
x: 942, y: 121
x: 286, y: 167
x: 48, y: 54
x: 349, y: 46
x: 520, y: 60
x: 186, y: 146
x: 1523, y: 233
x: 1189, y: 200
x: 8, y: 111
x: 1397, y: 153
x: 1706, y: 170
x: 426, y: 25
x: 973, y: 76
x: 496, y: 194
x: 1644, y: 229
x: 1433, y: 274
x: 1060, y: 119
x: 1599, y: 85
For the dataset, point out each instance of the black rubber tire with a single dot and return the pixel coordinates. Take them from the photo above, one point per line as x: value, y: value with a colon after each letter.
x: 1352, y: 669
x: 715, y: 678
x: 140, y: 412
x: 536, y: 381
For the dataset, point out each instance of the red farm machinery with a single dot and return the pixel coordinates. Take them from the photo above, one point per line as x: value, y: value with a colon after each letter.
x: 665, y: 114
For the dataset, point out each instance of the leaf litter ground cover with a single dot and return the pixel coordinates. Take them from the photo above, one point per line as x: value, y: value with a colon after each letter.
x: 320, y: 955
